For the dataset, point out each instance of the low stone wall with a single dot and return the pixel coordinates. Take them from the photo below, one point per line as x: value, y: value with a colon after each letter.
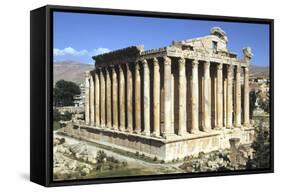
x: 71, y: 109
x: 176, y: 147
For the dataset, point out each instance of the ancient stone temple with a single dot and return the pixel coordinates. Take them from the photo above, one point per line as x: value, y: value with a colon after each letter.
x: 188, y: 97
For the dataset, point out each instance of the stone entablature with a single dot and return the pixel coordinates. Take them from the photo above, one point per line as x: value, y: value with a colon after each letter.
x: 174, y: 93
x: 125, y: 55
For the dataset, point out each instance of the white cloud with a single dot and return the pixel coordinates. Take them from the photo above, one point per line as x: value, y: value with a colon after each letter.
x: 99, y: 51
x: 73, y: 52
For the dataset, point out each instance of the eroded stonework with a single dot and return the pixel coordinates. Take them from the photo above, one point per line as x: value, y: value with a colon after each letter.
x: 188, y: 97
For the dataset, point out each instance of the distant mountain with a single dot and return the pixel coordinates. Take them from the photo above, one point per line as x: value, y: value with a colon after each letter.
x: 261, y: 71
x: 71, y: 71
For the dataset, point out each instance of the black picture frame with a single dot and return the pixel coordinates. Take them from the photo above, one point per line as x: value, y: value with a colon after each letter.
x: 41, y: 81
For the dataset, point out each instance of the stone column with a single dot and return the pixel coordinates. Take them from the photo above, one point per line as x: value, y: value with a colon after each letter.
x: 246, y: 97
x: 167, y: 130
x: 114, y: 99
x: 182, y: 97
x: 146, y: 97
x: 121, y: 99
x: 108, y: 100
x: 87, y: 98
x: 224, y: 100
x: 237, y: 117
x: 97, y: 98
x: 129, y: 99
x: 156, y: 98
x: 92, y: 101
x: 207, y: 98
x: 219, y: 96
x: 229, y: 107
x: 102, y: 98
x: 194, y: 98
x: 137, y: 99
x: 172, y: 102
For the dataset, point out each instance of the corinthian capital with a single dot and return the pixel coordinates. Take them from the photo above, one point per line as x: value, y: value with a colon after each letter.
x: 155, y: 62
x: 220, y: 66
x: 181, y: 61
x: 167, y: 60
x: 194, y: 63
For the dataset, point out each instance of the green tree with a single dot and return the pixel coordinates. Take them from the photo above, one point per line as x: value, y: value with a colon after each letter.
x: 56, y: 115
x: 64, y: 92
x: 261, y: 145
x: 253, y: 98
x: 265, y: 105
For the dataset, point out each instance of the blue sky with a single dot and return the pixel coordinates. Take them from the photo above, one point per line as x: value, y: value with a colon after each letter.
x: 79, y: 36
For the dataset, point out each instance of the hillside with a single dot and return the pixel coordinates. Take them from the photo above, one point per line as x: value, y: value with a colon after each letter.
x: 259, y: 71
x: 70, y: 71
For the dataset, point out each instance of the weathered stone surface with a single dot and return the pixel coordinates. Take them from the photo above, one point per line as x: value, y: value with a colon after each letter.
x: 182, y: 97
x: 156, y: 98
x: 194, y: 98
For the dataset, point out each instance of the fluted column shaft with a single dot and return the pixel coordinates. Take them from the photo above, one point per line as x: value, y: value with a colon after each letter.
x: 246, y: 97
x: 156, y: 97
x: 146, y: 97
x: 137, y: 99
x: 182, y: 97
x: 168, y: 130
x: 194, y: 98
x: 108, y: 99
x: 219, y: 96
x: 114, y: 99
x: 229, y: 96
x: 97, y: 98
x: 129, y: 99
x: 102, y: 98
x: 237, y: 117
x: 121, y: 99
x: 87, y: 97
x: 207, y: 98
x: 92, y: 101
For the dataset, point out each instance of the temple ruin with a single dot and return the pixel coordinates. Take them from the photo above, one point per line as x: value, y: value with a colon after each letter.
x: 188, y: 97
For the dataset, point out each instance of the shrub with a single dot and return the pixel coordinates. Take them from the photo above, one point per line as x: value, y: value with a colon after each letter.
x: 124, y: 163
x: 101, y: 155
x: 56, y: 115
x: 67, y: 116
x: 262, y: 149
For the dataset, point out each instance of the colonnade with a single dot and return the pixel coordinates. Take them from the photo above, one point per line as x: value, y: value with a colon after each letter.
x: 164, y: 96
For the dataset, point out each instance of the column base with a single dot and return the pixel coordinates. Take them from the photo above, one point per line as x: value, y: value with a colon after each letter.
x: 121, y: 129
x: 237, y: 125
x: 138, y: 131
x: 182, y: 133
x: 218, y: 128
x: 246, y: 124
x: 145, y: 133
x: 129, y: 130
x: 157, y: 135
x: 207, y: 129
x: 168, y: 135
x: 196, y: 131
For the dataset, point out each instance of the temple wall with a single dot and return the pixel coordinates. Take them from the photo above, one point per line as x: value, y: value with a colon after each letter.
x: 176, y: 148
